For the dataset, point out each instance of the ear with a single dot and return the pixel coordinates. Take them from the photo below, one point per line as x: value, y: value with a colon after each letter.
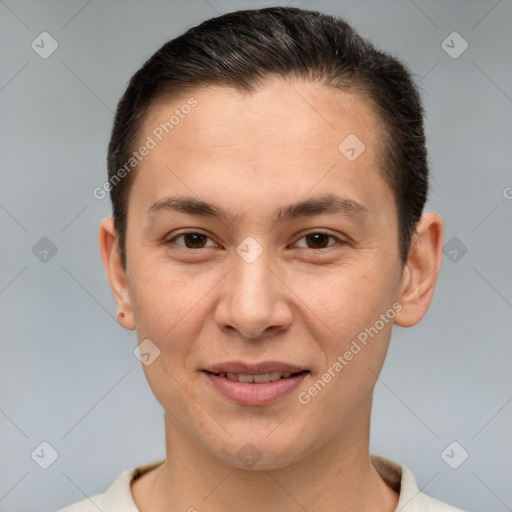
x: 421, y: 270
x: 116, y: 274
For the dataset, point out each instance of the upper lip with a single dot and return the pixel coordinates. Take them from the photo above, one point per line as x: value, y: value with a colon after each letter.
x: 253, y: 369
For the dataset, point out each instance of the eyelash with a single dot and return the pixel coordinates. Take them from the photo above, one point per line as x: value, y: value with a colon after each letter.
x: 176, y: 237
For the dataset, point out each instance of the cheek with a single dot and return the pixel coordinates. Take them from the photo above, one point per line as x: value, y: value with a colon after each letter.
x: 355, y: 334
x: 171, y: 312
x: 160, y: 299
x: 160, y: 306
x: 349, y: 299
x: 166, y: 312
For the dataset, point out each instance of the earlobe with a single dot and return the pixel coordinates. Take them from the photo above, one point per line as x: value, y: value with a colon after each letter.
x: 421, y: 270
x: 116, y: 274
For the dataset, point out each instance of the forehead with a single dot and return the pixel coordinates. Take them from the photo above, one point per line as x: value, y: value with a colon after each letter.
x: 306, y: 109
x: 293, y: 133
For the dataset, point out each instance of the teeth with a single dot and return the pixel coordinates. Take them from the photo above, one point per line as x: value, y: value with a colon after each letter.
x: 259, y: 379
x: 262, y: 378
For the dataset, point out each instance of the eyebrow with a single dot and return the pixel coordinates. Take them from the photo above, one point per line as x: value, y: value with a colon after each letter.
x: 330, y: 203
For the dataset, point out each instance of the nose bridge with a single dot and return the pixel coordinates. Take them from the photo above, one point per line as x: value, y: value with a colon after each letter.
x: 254, y: 279
x: 251, y: 268
x: 253, y: 298
x: 253, y: 285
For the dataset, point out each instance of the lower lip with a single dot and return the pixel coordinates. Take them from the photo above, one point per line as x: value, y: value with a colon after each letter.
x: 250, y: 393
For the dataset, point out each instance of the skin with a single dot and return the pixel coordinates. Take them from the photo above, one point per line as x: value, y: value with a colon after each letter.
x: 299, y: 302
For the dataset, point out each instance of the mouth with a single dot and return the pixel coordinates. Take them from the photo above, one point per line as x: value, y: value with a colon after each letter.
x: 260, y: 384
x: 259, y: 378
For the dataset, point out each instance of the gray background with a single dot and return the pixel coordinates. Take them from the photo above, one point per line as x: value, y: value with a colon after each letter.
x: 68, y: 375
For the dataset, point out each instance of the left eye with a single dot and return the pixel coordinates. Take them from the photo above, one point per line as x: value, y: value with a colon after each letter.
x: 318, y: 240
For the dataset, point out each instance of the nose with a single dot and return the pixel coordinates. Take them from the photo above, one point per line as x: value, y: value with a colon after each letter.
x: 255, y: 301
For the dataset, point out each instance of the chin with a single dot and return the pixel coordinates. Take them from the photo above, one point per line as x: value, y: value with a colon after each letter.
x: 259, y: 452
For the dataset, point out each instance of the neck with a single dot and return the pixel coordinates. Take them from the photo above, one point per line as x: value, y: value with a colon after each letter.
x: 336, y: 476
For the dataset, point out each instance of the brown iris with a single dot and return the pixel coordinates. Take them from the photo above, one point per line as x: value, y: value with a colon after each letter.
x: 320, y: 240
x: 195, y: 240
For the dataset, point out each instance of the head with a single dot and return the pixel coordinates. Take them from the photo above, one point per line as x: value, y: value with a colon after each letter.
x: 275, y: 214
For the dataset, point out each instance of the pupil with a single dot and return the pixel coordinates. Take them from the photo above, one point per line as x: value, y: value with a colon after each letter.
x: 318, y: 238
x: 196, y: 239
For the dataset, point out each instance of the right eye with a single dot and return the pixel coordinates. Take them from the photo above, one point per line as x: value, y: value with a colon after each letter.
x: 192, y: 240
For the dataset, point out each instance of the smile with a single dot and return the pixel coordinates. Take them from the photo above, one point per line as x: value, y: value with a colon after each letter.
x: 257, y: 379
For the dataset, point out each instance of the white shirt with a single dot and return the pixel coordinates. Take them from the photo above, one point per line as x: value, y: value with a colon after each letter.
x: 118, y: 497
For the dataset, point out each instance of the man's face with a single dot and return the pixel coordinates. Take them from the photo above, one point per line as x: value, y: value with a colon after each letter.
x: 253, y: 286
